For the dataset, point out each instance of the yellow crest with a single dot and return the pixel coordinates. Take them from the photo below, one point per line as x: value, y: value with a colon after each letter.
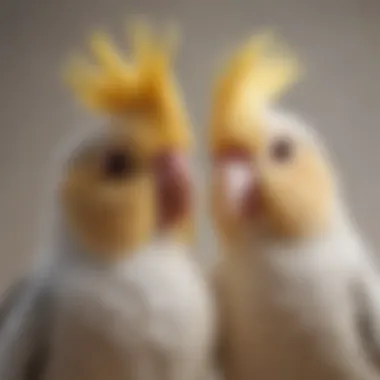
x: 258, y: 73
x: 142, y: 86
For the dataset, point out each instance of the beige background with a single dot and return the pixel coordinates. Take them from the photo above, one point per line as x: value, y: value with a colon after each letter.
x: 339, y: 41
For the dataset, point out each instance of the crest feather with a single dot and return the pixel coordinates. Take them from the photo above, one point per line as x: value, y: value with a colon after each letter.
x: 142, y: 85
x: 256, y: 75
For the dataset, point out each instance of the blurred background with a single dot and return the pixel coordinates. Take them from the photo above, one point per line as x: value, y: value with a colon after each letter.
x: 338, y: 41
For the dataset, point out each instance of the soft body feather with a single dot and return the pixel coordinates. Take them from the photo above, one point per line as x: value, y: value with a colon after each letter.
x: 296, y: 311
x: 149, y: 317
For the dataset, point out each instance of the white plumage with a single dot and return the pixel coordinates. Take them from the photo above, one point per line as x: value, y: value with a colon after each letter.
x: 148, y: 317
x: 299, y: 308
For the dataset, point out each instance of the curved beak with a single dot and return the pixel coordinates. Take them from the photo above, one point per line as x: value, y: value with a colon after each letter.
x: 238, y: 181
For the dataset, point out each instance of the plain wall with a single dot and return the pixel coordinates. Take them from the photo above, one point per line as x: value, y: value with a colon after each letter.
x: 338, y: 41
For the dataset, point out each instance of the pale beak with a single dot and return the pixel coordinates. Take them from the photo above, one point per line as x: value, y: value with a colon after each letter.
x: 239, y: 183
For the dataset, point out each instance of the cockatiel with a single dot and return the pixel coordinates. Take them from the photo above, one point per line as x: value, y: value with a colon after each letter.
x: 121, y: 297
x: 298, y: 294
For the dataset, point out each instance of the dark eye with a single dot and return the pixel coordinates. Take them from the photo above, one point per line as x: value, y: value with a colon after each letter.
x: 120, y: 164
x: 282, y: 150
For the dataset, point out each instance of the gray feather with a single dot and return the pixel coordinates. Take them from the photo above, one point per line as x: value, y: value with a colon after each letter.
x: 10, y: 299
x: 366, y: 296
x: 25, y: 317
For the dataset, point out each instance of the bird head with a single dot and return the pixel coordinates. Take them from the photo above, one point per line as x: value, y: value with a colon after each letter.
x: 271, y: 176
x: 131, y: 182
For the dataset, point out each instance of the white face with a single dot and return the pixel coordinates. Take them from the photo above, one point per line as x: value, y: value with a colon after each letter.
x: 281, y: 185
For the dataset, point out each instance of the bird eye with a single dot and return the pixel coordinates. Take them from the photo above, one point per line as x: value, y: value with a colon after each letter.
x: 282, y: 150
x: 120, y: 164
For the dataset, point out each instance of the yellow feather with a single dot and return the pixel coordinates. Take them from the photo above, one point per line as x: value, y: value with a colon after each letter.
x: 144, y: 85
x: 140, y: 40
x: 256, y: 75
x: 107, y: 56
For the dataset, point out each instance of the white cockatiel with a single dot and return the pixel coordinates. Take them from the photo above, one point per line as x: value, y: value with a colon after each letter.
x: 121, y: 296
x: 298, y: 293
